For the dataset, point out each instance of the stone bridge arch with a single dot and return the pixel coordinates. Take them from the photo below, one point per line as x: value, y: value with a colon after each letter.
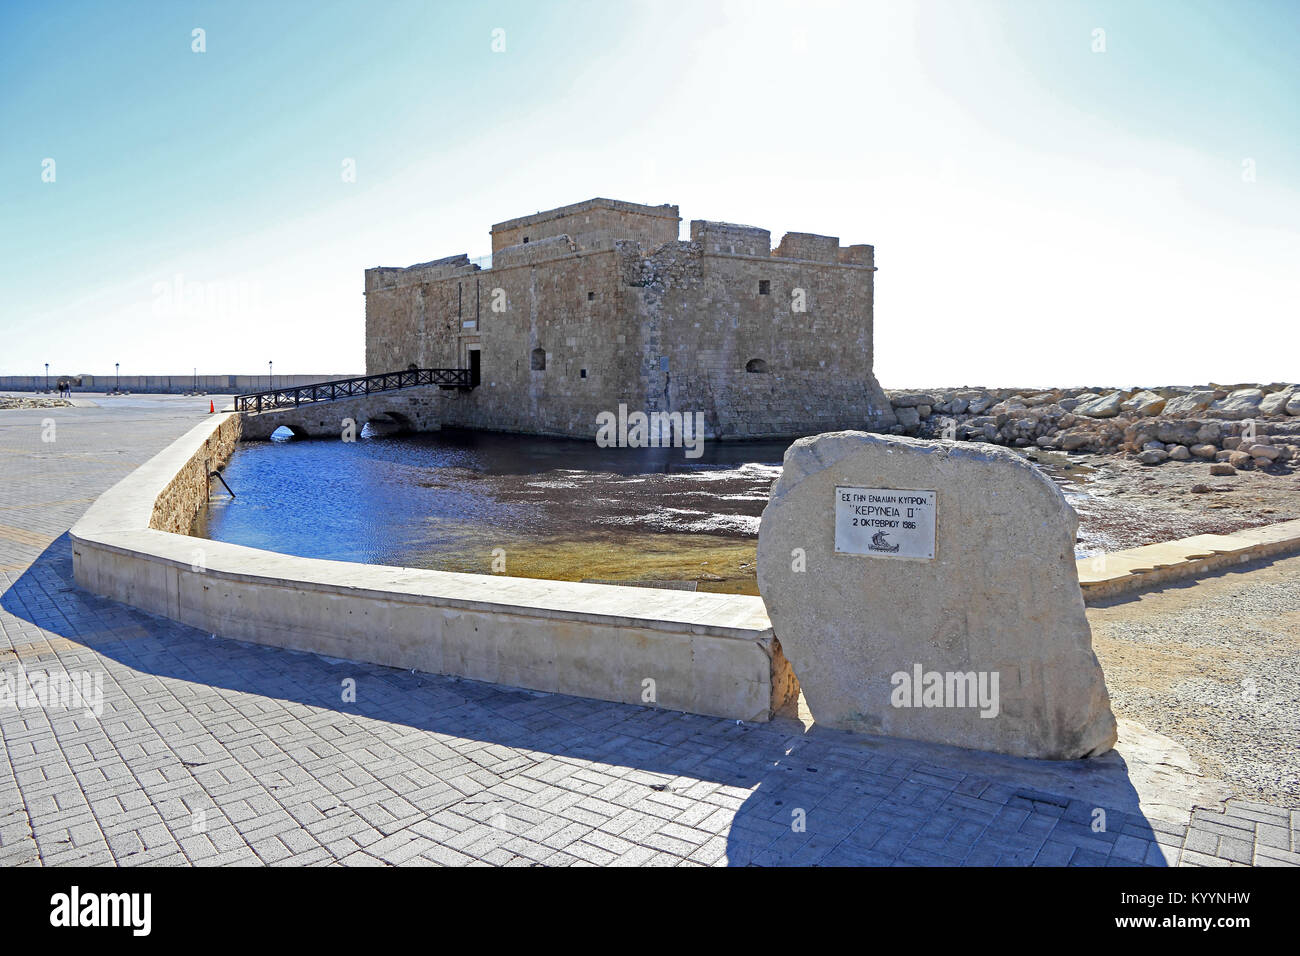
x: 416, y: 409
x: 297, y: 431
x: 389, y: 422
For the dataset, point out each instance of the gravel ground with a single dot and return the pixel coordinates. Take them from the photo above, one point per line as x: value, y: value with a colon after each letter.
x: 1215, y: 665
x: 1125, y: 504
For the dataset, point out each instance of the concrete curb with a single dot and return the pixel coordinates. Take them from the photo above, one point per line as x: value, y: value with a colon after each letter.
x: 1125, y: 572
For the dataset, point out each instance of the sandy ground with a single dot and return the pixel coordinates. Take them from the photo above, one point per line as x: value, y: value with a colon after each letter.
x: 1215, y: 664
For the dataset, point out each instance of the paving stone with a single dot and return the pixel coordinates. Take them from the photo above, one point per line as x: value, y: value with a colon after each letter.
x: 1278, y: 837
x: 1202, y: 841
x: 1131, y: 848
x: 1055, y: 854
x: 1257, y: 812
x: 1268, y: 856
x: 1088, y: 858
x: 1239, y: 851
x: 1196, y: 858
x: 1159, y: 854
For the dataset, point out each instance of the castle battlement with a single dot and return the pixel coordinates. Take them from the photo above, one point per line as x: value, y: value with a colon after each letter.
x: 593, y: 221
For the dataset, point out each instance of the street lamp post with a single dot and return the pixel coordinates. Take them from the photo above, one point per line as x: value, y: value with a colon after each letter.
x: 270, y: 378
x: 47, y: 376
x: 117, y: 368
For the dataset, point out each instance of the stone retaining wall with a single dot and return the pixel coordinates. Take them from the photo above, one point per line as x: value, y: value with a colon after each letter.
x: 186, y: 494
x: 712, y: 654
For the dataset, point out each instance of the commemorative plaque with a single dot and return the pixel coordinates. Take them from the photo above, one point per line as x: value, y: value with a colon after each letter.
x: 885, y: 522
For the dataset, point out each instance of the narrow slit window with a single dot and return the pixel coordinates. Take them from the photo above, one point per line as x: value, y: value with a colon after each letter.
x: 764, y: 287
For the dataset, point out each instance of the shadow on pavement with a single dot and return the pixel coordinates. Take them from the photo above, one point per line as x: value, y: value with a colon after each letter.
x: 799, y: 795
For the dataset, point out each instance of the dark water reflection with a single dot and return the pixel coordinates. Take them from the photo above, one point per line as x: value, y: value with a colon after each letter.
x: 556, y: 508
x: 445, y: 500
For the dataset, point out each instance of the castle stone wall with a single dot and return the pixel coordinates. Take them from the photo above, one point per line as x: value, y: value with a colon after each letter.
x: 592, y: 224
x: 794, y: 359
x: 764, y: 345
x: 725, y: 238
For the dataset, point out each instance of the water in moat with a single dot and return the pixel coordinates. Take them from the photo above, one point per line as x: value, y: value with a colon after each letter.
x: 466, y: 501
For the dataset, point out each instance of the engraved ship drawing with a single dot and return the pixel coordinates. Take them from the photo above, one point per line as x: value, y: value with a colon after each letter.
x: 879, y: 543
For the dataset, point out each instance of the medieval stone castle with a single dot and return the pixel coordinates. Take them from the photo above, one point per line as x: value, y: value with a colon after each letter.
x: 598, y: 304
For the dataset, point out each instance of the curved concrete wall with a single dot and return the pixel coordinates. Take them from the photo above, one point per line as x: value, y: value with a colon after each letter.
x: 710, y: 654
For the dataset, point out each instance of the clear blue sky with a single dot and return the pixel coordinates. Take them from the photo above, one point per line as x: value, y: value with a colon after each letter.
x: 1042, y: 213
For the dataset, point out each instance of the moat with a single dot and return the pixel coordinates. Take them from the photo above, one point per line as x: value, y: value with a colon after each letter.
x: 551, y: 507
x: 557, y: 508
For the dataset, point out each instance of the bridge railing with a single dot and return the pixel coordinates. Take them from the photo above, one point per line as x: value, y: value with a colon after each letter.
x: 350, y: 387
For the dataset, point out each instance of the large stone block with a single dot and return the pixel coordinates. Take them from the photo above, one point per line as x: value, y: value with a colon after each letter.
x: 1105, y: 406
x: 1241, y: 403
x: 979, y: 603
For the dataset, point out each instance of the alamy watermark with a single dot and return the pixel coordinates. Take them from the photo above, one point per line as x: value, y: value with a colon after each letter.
x: 127, y: 910
x: 651, y: 430
x: 916, y: 688
x: 206, y: 300
x: 50, y: 689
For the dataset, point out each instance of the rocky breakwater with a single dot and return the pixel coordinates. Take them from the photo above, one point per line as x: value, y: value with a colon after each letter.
x: 9, y: 401
x: 1231, y: 428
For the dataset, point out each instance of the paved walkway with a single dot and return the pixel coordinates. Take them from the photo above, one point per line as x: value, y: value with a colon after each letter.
x: 217, y: 752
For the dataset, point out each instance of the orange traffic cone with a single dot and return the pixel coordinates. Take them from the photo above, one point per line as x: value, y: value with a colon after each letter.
x: 211, y: 407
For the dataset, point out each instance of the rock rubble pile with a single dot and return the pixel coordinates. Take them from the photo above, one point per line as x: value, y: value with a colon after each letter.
x: 1232, y: 427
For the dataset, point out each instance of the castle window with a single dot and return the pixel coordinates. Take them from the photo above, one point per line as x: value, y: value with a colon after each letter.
x: 525, y: 238
x: 538, y: 360
x: 755, y: 365
x: 583, y: 373
x: 764, y: 287
x: 591, y: 297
